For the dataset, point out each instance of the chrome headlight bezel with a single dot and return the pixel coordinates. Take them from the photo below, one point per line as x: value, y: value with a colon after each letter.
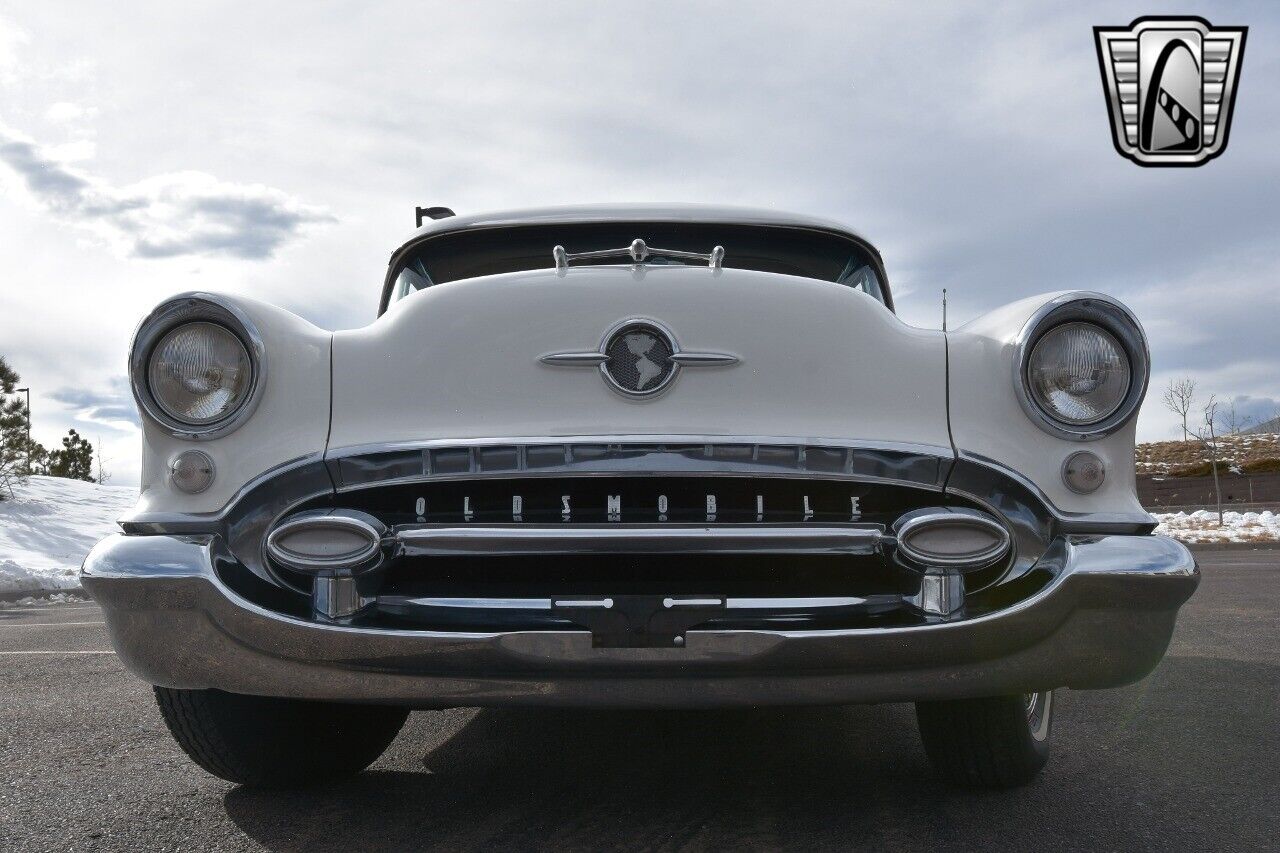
x: 196, y: 308
x: 1116, y: 320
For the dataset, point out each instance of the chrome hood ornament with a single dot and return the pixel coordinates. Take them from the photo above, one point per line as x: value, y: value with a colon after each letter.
x: 639, y: 252
x: 639, y: 358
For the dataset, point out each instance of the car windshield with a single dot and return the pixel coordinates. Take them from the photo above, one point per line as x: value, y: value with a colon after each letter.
x: 789, y: 251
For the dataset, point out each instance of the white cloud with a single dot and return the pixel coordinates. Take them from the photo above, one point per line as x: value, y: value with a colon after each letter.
x: 64, y: 112
x: 72, y: 152
x: 169, y: 215
x: 11, y: 38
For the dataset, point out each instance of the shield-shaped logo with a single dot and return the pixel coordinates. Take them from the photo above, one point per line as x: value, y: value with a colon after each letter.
x: 1170, y: 86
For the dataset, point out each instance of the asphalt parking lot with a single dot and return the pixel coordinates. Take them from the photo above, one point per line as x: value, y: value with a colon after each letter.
x: 1185, y: 759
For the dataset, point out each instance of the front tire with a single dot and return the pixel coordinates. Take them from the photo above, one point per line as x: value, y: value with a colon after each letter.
x: 996, y: 742
x: 261, y: 741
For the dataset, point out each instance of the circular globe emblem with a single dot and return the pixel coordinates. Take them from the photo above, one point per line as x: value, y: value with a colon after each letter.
x: 639, y: 359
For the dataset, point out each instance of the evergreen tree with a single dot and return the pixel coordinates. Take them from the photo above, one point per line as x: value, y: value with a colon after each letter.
x: 74, y: 461
x: 39, y: 459
x: 13, y: 430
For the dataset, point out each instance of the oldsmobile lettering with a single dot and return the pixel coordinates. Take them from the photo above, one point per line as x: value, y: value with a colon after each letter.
x: 513, y: 507
x: 772, y: 491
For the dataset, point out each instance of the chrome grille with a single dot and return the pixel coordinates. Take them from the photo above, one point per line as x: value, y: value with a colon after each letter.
x: 362, y: 467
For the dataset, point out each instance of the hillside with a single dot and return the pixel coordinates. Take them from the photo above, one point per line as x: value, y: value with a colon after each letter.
x: 1251, y: 453
x: 1272, y: 425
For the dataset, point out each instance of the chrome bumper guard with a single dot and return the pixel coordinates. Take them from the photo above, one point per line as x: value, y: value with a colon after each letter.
x: 1104, y: 620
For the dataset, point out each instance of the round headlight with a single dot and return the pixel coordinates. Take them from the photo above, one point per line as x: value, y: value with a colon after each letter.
x: 198, y: 366
x: 199, y: 373
x: 1079, y: 373
x: 1081, y: 366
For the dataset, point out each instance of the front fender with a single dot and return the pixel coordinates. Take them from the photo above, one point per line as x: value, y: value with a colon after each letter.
x: 291, y: 421
x: 988, y: 421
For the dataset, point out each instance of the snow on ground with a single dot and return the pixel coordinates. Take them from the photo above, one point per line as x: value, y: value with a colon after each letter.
x: 45, y: 600
x: 48, y: 527
x: 1202, y: 526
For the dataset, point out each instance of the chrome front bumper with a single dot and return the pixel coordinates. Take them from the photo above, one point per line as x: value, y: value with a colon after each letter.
x: 1105, y: 620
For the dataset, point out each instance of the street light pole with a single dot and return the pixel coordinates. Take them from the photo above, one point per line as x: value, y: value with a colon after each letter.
x: 28, y: 392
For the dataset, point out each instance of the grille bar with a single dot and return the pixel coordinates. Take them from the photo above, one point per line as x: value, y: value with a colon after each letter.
x: 737, y: 539
x: 363, y: 467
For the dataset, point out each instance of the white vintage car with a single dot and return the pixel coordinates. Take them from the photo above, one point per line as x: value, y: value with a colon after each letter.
x: 636, y: 457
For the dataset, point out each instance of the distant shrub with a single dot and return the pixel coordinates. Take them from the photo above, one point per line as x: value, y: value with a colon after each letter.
x: 1204, y: 469
x: 1200, y: 469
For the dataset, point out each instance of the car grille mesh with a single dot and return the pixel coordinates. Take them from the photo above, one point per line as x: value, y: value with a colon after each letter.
x: 639, y: 358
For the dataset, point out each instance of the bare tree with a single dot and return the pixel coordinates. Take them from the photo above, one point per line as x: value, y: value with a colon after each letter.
x: 1178, y: 398
x: 1208, y: 437
x: 103, y: 475
x: 1233, y: 422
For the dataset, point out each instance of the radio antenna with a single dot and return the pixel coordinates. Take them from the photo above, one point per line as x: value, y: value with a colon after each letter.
x: 944, y: 309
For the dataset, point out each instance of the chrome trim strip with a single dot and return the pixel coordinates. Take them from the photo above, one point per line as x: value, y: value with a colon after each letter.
x: 470, y: 603
x: 792, y: 603
x: 702, y: 359
x: 766, y: 603
x: 187, y: 308
x: 920, y: 466
x: 441, y: 540
x: 942, y: 451
x: 1111, y: 315
x: 575, y: 359
x: 603, y: 603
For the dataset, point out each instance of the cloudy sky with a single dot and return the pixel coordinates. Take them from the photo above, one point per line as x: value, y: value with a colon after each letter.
x: 147, y: 149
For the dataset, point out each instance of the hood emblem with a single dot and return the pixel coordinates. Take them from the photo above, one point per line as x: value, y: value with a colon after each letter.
x: 639, y: 358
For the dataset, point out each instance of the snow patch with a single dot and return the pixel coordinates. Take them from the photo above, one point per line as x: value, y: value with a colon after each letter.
x: 1202, y: 526
x: 44, y: 600
x: 48, y: 527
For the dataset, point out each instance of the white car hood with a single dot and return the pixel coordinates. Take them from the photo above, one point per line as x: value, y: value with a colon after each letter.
x: 461, y: 361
